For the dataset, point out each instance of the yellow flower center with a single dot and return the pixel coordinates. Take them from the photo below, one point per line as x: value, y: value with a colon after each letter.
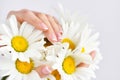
x: 82, y: 50
x: 19, y: 43
x: 24, y: 67
x: 56, y: 74
x: 71, y: 43
x: 69, y: 65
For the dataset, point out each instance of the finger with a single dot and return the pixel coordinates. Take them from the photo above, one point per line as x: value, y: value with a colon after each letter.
x: 50, y: 34
x: 55, y: 27
x: 43, y: 18
x: 92, y: 53
x: 43, y: 70
x: 19, y: 19
x: 83, y: 65
x: 51, y: 22
x: 60, y: 27
x: 31, y: 18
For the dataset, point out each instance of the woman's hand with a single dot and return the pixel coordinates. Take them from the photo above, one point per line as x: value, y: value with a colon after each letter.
x: 48, y: 24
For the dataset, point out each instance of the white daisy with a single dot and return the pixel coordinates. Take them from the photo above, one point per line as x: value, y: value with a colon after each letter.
x: 67, y: 65
x: 22, y: 70
x: 88, y: 42
x: 71, y: 33
x: 72, y: 28
x: 18, y: 69
x: 52, y: 52
x: 78, y: 34
x: 22, y: 41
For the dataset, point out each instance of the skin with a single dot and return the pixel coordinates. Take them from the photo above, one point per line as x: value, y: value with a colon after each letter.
x: 50, y: 27
x: 48, y: 24
x: 92, y: 53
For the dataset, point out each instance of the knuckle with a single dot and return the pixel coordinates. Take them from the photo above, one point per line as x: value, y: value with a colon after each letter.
x: 51, y: 18
x: 25, y: 11
x: 11, y: 12
x: 36, y: 21
x: 55, y: 19
x: 39, y: 15
x: 48, y: 16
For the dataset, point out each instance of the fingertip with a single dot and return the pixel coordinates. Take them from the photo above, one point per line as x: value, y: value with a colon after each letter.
x: 93, y: 54
x: 59, y: 36
x: 83, y: 65
x: 52, y: 37
x: 43, y: 26
x: 46, y: 70
x: 61, y: 32
x: 43, y: 70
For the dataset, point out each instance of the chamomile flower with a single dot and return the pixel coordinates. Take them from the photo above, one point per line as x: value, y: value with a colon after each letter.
x: 72, y: 27
x: 71, y: 33
x: 81, y: 42
x: 22, y: 41
x: 67, y: 65
x: 18, y: 69
x: 88, y: 42
x: 52, y: 52
x: 77, y: 33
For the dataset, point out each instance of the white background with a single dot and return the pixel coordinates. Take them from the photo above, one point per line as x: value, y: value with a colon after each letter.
x: 103, y: 14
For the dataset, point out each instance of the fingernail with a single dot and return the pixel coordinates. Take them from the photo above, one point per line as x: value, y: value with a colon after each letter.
x: 46, y: 70
x: 59, y: 36
x: 61, y: 31
x: 53, y: 37
x: 43, y: 26
x: 93, y: 54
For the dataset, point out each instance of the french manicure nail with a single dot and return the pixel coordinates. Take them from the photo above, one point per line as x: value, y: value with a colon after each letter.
x: 43, y: 26
x: 59, y: 36
x: 61, y: 31
x: 53, y: 37
x: 46, y: 70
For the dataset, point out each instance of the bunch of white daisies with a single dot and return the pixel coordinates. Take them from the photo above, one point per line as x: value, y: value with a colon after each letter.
x: 24, y: 48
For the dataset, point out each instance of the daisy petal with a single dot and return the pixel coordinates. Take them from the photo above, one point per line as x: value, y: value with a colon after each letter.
x: 35, y: 36
x: 5, y: 63
x: 13, y: 24
x: 33, y: 76
x: 27, y: 30
x: 6, y: 30
x: 11, y: 77
x: 22, y: 27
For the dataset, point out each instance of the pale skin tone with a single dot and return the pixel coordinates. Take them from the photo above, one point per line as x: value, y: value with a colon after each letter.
x: 50, y: 27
